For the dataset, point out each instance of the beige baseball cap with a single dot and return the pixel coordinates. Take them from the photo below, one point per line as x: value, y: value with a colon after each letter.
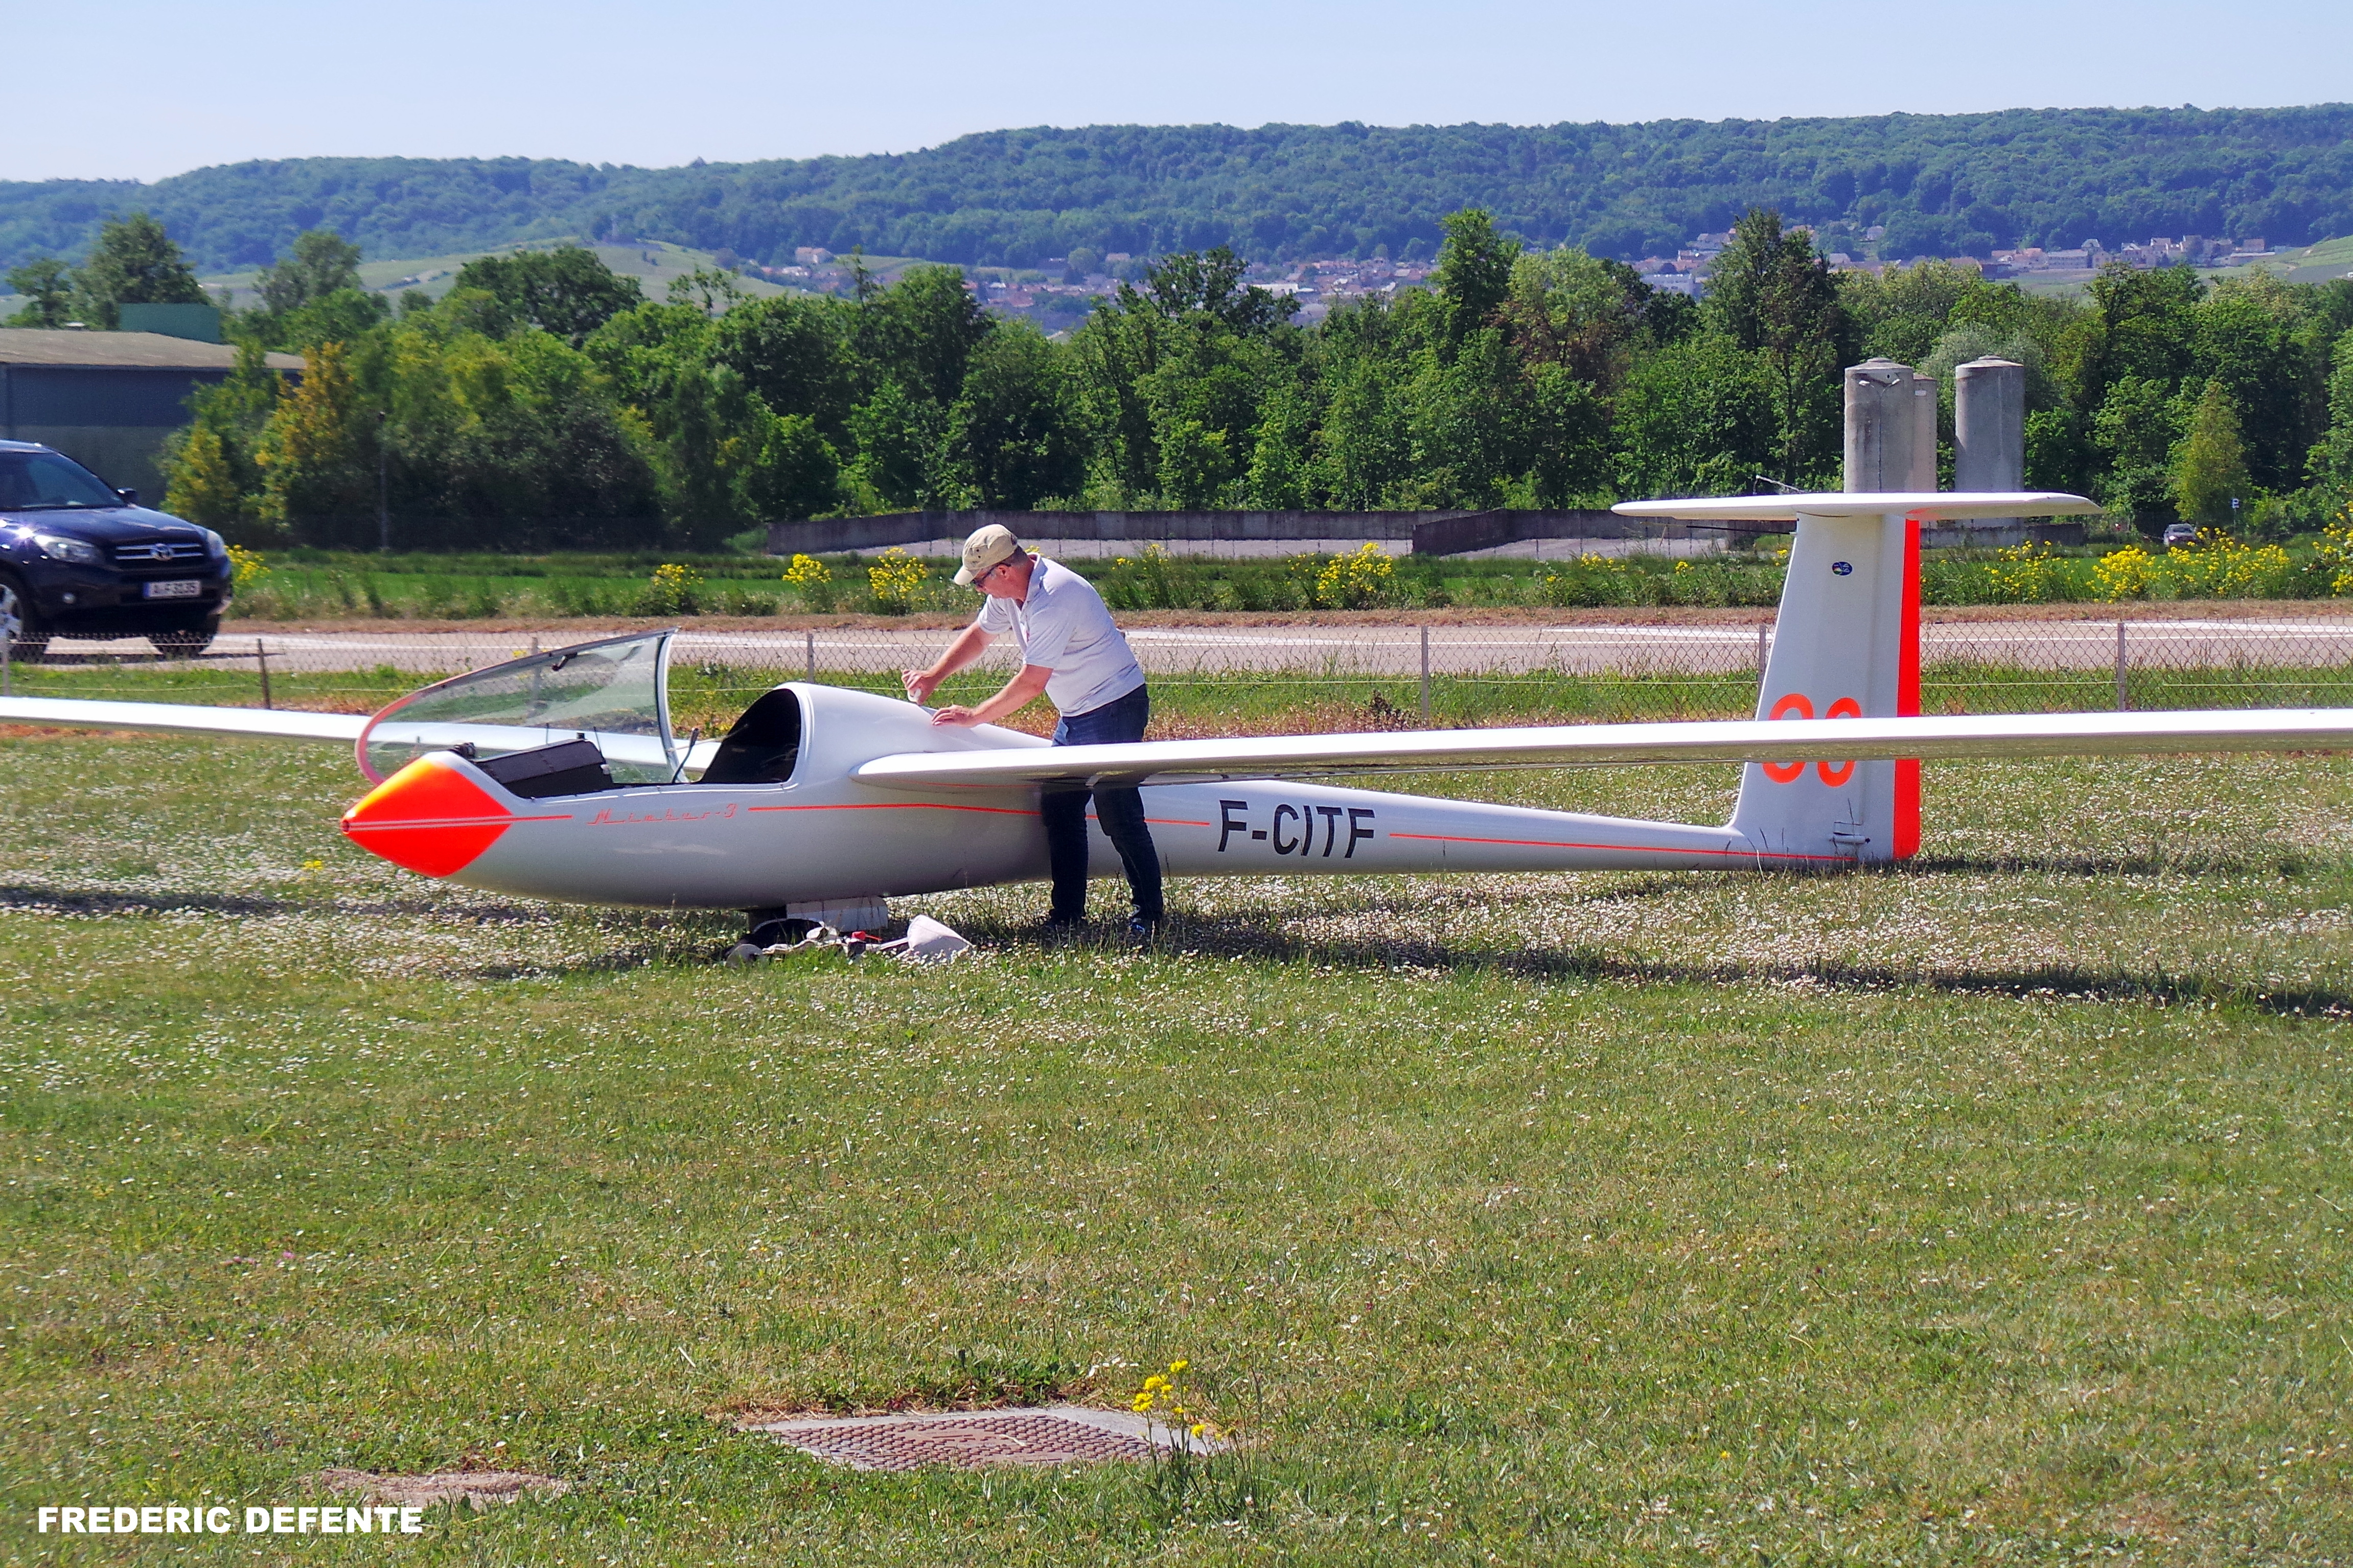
x: 985, y: 549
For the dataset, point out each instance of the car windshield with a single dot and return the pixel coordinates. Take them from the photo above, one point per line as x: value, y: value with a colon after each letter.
x: 44, y: 481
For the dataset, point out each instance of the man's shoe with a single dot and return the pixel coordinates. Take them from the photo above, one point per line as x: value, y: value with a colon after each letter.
x: 1142, y: 930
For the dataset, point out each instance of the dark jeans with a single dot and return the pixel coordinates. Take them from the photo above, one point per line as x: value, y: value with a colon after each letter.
x: 1120, y: 812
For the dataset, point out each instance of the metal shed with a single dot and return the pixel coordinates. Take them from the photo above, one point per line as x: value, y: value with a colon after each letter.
x: 107, y: 399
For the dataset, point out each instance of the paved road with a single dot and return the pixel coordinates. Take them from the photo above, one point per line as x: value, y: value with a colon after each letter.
x: 1336, y: 651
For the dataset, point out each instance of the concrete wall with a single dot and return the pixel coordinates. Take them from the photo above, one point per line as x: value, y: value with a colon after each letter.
x: 1420, y: 532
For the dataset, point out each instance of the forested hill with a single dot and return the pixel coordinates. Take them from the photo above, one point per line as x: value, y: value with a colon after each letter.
x: 1943, y: 185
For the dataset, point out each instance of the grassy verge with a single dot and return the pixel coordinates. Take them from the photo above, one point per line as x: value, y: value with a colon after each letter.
x: 1993, y: 1209
x: 313, y: 584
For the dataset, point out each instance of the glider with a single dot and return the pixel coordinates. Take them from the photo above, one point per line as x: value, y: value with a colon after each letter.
x: 558, y: 776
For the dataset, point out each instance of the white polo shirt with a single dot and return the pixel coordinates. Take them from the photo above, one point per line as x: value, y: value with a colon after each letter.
x: 1063, y: 626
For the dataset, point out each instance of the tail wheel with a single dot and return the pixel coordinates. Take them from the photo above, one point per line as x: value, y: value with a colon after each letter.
x: 27, y: 637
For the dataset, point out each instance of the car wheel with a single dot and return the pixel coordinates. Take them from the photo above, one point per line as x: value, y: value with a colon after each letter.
x: 27, y: 634
x: 185, y: 642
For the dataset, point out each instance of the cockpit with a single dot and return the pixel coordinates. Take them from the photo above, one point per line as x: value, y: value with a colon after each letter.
x: 578, y: 719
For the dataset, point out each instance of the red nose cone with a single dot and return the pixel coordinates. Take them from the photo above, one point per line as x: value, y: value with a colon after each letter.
x: 427, y: 818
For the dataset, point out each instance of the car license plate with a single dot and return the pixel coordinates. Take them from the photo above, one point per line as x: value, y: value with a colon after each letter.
x: 184, y: 588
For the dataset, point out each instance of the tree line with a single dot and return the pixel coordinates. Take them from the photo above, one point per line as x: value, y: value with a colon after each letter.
x: 544, y: 402
x: 1941, y: 184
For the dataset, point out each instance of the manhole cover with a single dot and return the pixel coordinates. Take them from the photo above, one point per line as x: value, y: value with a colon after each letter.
x: 1058, y: 1435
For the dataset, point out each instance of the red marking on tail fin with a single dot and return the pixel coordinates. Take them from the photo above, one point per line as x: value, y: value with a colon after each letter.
x: 427, y: 818
x: 1908, y: 697
x: 1791, y: 702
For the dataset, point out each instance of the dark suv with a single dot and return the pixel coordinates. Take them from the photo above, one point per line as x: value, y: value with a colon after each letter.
x: 80, y: 560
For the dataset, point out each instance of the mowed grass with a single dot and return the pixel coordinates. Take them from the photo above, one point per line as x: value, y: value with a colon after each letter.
x: 1989, y: 1210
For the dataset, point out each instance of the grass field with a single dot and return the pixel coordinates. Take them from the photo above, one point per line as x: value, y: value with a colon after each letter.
x: 1989, y: 1210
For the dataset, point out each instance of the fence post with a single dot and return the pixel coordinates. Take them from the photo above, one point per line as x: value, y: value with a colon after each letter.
x: 1424, y: 678
x: 2123, y: 700
x: 262, y: 659
x: 1761, y: 650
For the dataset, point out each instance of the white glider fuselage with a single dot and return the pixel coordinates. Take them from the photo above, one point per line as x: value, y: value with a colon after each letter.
x: 823, y: 837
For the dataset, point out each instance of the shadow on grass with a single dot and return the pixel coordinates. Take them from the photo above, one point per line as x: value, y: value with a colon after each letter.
x: 2151, y: 863
x: 114, y: 902
x: 1240, y: 937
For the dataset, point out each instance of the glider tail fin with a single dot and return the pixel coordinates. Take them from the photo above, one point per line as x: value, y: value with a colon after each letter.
x: 1847, y: 645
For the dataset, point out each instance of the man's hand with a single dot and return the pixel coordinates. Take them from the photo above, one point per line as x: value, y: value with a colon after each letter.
x: 962, y: 717
x: 920, y: 684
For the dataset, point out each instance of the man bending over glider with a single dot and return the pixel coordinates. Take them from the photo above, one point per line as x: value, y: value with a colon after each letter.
x: 1072, y: 653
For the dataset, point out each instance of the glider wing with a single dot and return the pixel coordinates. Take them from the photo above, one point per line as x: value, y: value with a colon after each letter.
x: 290, y: 724
x: 1739, y: 741
x: 181, y: 718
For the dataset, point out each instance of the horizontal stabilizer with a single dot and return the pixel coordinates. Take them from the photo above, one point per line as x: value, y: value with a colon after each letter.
x: 1925, y: 506
x: 1736, y: 741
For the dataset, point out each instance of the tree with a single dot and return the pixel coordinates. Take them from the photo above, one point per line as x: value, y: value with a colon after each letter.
x: 2332, y: 457
x: 203, y: 486
x: 133, y: 263
x: 922, y: 331
x: 1696, y: 418
x: 2135, y: 430
x: 900, y: 463
x: 2145, y: 324
x: 790, y: 472
x: 212, y: 473
x: 47, y: 286
x: 1009, y: 438
x: 1281, y: 466
x: 1209, y: 283
x: 1473, y: 275
x: 568, y: 291
x: 318, y: 456
x: 1183, y: 359
x: 1569, y: 432
x: 2209, y: 471
x: 1470, y: 420
x: 2245, y: 338
x: 343, y: 316
x: 1365, y: 448
x: 1565, y: 307
x: 795, y: 355
x: 1773, y: 296
x: 322, y: 261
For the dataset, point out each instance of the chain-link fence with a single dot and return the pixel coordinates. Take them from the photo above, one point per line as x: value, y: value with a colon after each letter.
x: 1387, y: 674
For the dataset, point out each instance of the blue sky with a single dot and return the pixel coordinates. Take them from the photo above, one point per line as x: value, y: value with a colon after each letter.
x: 138, y: 89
